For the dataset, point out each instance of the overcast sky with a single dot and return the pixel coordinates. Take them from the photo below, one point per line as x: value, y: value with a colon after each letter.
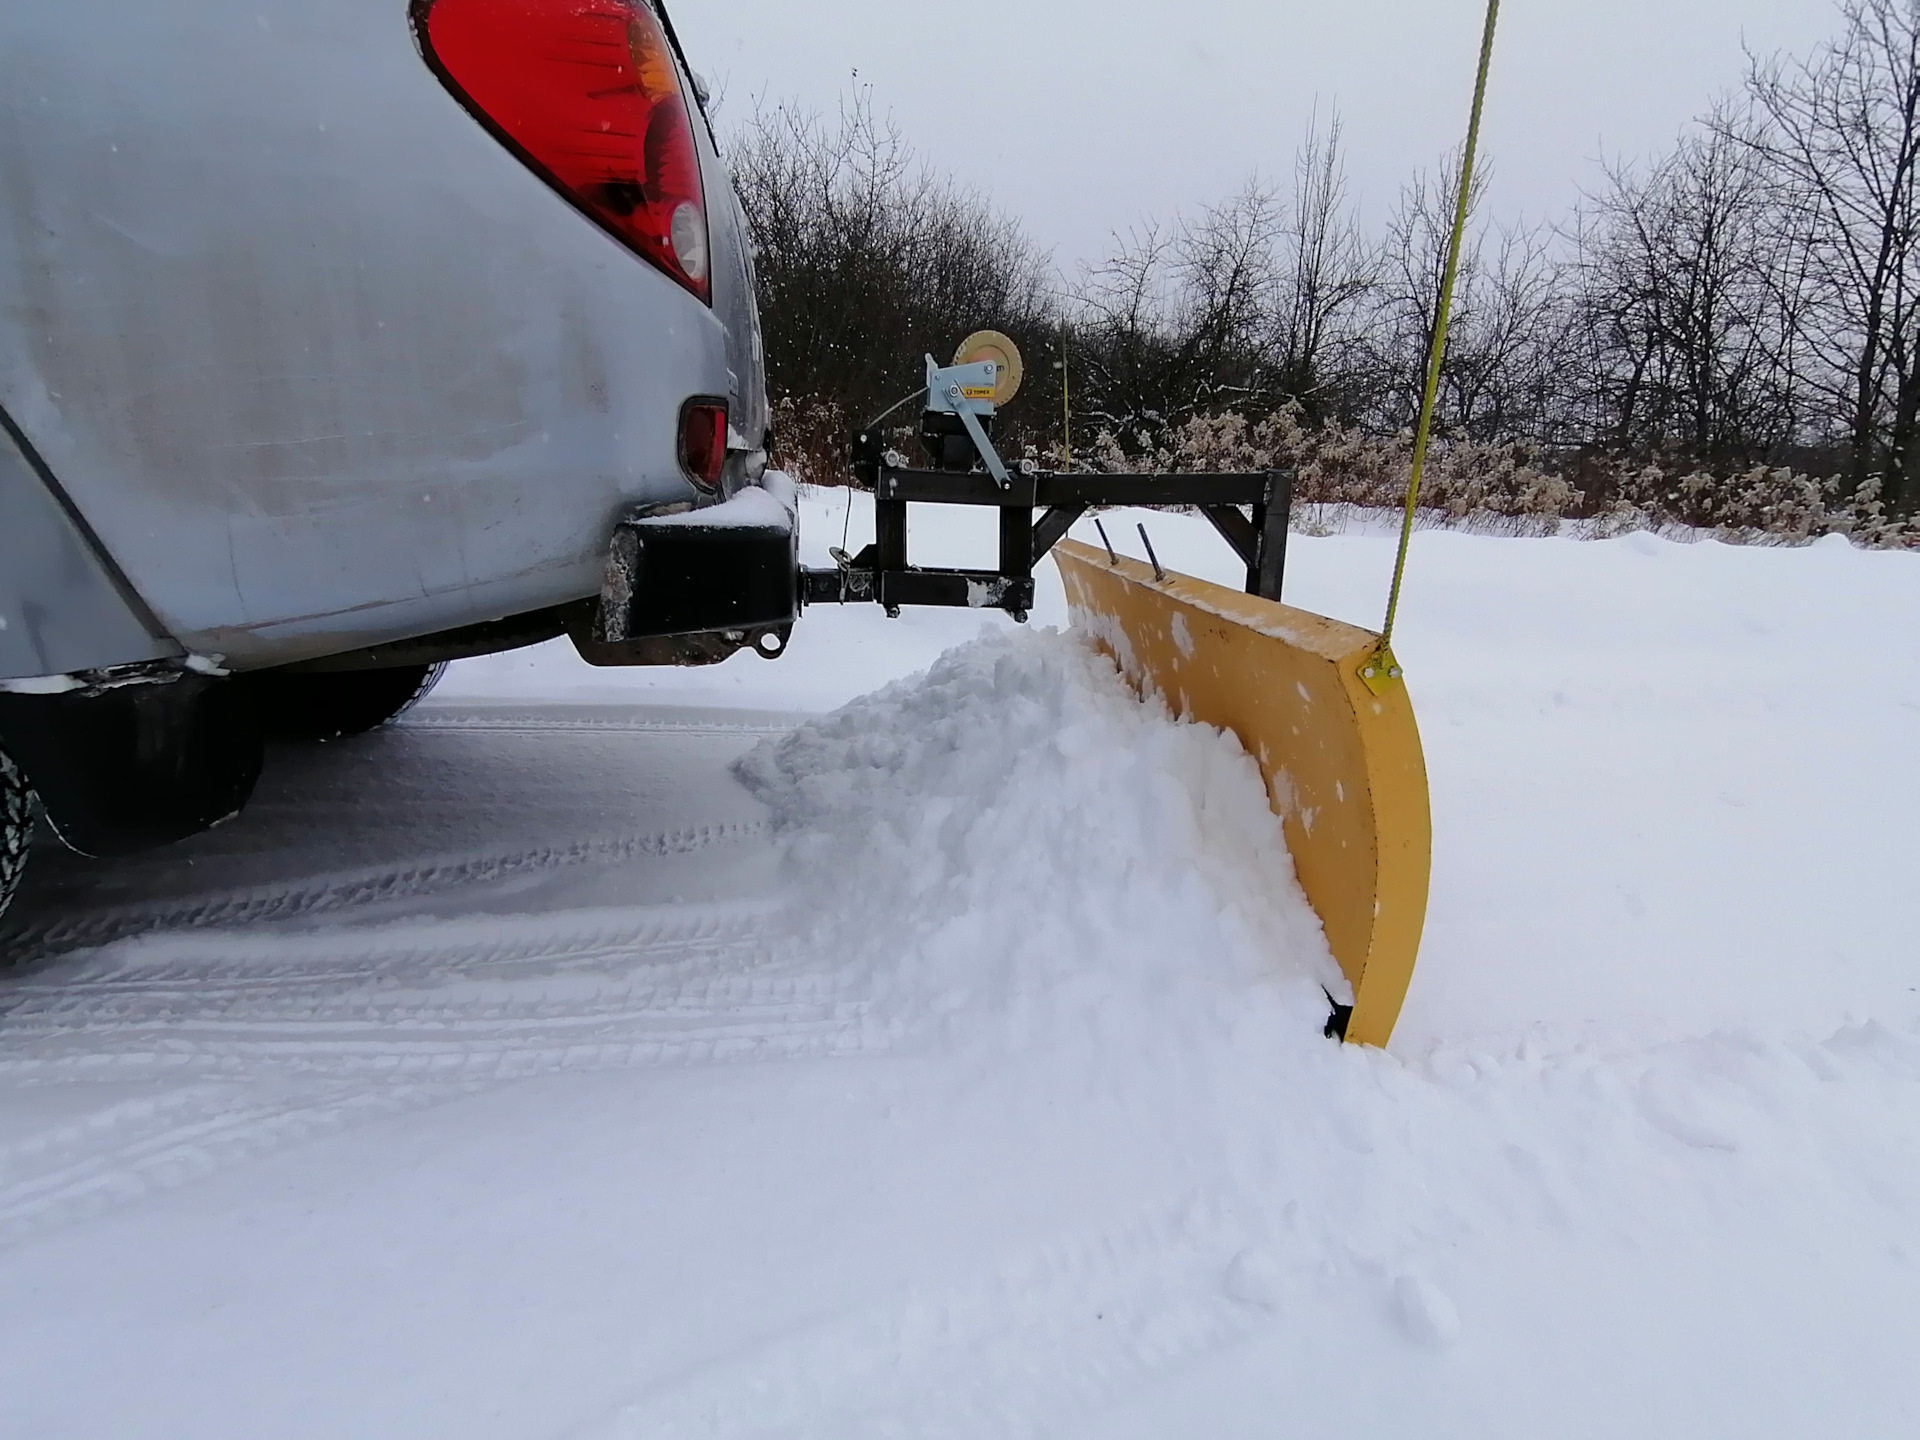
x: 1082, y: 116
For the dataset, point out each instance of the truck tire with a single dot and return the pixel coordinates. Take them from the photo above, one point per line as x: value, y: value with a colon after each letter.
x: 330, y: 704
x: 16, y: 828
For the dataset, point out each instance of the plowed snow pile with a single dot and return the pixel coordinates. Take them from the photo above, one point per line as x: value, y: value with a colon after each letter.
x: 950, y: 1064
x: 1015, y: 829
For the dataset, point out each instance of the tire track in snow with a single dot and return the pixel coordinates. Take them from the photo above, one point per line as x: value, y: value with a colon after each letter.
x: 170, y: 1143
x: 324, y: 1076
x: 201, y: 967
x: 205, y: 1031
x: 1038, y: 1340
x: 411, y: 1037
x: 369, y: 1023
x: 326, y: 894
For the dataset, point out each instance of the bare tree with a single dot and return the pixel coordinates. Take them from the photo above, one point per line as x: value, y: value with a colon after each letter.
x: 1413, y: 259
x: 1254, y: 303
x: 1691, y: 281
x: 866, y: 259
x: 1505, y: 375
x: 1840, y: 134
x: 1327, y: 271
x: 1228, y: 281
x: 1178, y: 320
x: 1124, y: 331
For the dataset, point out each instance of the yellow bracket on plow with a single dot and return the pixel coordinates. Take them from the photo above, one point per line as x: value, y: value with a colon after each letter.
x: 1342, y: 761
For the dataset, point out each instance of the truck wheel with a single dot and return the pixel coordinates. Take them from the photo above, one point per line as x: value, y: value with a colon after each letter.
x: 16, y: 828
x: 328, y: 704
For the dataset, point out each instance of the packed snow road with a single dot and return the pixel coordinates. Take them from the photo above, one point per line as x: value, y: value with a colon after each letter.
x: 186, y: 1045
x: 631, y: 1055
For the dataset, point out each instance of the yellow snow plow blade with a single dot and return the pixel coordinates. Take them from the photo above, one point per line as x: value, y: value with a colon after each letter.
x: 1343, y: 766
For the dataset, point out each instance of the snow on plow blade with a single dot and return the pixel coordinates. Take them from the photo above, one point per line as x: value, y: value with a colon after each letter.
x: 1343, y: 766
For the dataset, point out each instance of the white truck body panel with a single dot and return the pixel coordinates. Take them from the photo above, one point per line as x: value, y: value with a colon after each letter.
x: 319, y: 361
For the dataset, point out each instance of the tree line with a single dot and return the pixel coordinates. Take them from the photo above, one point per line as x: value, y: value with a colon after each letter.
x: 1745, y: 303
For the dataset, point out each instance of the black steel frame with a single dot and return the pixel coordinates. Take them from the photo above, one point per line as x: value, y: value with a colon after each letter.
x: 1037, y: 508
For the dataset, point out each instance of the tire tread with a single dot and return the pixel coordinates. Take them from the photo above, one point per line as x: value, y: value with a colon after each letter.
x: 16, y: 828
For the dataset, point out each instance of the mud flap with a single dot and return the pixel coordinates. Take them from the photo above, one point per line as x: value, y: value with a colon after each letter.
x: 125, y: 765
x: 1343, y: 767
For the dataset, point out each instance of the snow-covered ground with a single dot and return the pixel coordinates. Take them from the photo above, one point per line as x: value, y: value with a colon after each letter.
x: 618, y: 1054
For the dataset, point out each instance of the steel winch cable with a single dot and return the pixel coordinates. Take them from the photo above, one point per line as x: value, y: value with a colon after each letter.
x: 903, y: 400
x: 1382, y: 668
x: 846, y: 521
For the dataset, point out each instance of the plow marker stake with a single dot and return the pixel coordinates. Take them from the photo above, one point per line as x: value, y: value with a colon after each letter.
x: 1343, y: 766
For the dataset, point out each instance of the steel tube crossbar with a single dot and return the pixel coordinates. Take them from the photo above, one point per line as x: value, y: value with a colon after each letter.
x: 1257, y: 532
x: 1049, y: 488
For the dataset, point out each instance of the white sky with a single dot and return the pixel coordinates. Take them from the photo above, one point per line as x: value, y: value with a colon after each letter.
x: 1082, y: 116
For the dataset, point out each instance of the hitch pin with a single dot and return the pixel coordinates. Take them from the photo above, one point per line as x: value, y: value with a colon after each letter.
x: 1158, y: 573
x: 1112, y: 559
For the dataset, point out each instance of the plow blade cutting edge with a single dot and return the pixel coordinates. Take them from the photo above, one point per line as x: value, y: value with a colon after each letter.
x: 1343, y: 766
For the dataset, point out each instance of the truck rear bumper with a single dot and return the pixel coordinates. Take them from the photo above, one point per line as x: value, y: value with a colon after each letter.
x: 692, y: 588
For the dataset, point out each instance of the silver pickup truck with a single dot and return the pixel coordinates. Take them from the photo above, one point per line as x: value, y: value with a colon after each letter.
x: 338, y: 339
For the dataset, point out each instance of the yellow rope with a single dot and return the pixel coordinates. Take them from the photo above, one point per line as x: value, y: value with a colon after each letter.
x: 1383, y: 667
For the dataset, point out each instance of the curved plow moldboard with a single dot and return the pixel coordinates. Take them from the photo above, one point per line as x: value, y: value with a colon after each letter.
x: 1343, y: 766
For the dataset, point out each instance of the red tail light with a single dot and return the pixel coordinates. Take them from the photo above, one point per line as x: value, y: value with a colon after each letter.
x: 703, y: 439
x: 587, y: 93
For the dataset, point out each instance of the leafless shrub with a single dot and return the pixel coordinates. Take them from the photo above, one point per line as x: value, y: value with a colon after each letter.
x: 867, y: 259
x: 810, y: 440
x: 1508, y: 486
